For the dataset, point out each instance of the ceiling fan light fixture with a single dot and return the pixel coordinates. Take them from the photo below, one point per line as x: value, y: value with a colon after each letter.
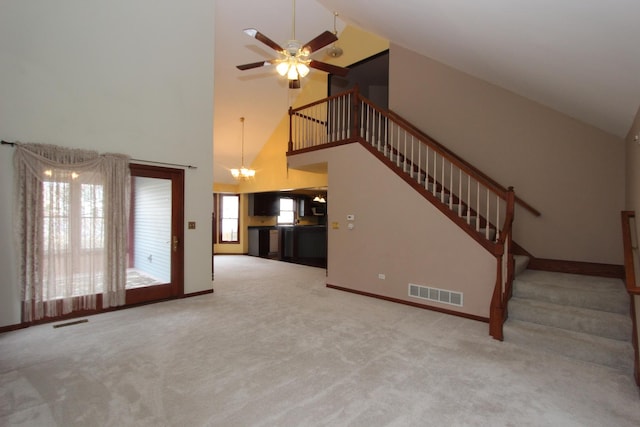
x: 292, y: 74
x: 295, y: 58
x: 282, y: 68
x: 302, y: 69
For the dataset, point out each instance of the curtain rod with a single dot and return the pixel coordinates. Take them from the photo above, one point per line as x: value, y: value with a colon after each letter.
x: 133, y: 160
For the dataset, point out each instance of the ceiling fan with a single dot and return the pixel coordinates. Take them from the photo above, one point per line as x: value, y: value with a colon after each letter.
x: 295, y: 58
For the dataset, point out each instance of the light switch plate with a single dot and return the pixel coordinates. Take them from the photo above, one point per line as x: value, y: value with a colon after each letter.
x: 351, y: 217
x: 191, y: 225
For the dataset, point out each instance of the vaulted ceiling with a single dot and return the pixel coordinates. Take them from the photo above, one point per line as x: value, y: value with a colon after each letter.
x: 580, y: 57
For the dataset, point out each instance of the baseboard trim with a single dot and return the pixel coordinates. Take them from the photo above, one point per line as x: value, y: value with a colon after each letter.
x: 411, y: 303
x: 577, y: 267
x: 83, y: 313
x: 196, y: 294
x: 13, y: 327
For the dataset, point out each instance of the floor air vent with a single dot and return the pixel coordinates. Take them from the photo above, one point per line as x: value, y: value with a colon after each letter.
x: 435, y: 294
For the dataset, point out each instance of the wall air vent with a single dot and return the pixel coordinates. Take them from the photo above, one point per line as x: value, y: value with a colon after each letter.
x: 435, y: 294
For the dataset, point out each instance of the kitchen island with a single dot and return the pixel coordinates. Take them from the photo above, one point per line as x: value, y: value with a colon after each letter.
x: 300, y: 244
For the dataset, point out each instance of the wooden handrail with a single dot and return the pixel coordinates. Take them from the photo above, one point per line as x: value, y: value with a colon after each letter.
x: 630, y: 282
x: 466, y: 166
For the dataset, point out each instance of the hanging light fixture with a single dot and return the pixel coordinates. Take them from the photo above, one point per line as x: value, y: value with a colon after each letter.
x: 296, y: 64
x: 243, y: 173
x: 334, y: 50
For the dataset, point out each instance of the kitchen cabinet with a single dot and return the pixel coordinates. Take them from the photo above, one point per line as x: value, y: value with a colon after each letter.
x: 264, y: 242
x: 258, y: 242
x: 305, y: 244
x: 304, y: 206
x: 264, y: 204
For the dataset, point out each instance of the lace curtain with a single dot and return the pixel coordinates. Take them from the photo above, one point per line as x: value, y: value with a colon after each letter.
x: 71, y: 210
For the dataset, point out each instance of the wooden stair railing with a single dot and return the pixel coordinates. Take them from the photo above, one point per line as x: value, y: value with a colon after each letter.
x: 477, y: 203
x: 631, y: 265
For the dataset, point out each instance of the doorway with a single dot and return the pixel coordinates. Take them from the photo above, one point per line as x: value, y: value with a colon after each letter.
x: 156, y: 234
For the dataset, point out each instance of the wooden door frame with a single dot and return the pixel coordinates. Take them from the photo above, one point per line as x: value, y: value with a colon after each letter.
x: 176, y: 288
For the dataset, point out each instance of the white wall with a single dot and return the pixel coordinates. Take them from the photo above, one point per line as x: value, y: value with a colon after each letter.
x: 129, y: 76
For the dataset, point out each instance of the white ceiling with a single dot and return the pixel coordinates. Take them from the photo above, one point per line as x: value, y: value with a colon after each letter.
x: 580, y: 57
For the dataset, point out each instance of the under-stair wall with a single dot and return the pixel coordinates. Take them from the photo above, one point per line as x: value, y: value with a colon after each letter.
x: 395, y: 238
x: 471, y: 201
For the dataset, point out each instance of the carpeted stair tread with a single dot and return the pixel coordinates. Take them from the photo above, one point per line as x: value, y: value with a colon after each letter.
x: 596, y: 322
x: 588, y: 348
x: 598, y: 293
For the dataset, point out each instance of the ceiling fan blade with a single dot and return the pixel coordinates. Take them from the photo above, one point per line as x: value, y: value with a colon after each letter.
x: 252, y: 32
x: 319, y: 42
x: 254, y: 65
x: 329, y: 68
x: 294, y: 84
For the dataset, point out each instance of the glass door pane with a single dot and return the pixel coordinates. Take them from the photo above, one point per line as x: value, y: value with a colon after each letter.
x: 151, y: 237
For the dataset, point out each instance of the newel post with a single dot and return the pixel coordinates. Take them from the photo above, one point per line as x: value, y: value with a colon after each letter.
x: 498, y: 309
x: 290, y: 147
x: 496, y: 312
x: 356, y: 112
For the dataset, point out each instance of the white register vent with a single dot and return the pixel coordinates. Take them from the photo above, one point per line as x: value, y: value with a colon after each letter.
x: 434, y: 294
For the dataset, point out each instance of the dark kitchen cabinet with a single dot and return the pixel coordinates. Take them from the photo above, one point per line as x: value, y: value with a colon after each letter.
x: 258, y: 242
x: 264, y: 204
x: 304, y: 206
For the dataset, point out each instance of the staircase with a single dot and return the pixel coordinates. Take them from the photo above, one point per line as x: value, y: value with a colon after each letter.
x: 580, y: 317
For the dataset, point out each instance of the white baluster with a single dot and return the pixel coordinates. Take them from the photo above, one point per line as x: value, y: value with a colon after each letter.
x: 478, y: 206
x: 468, y: 199
x: 488, y: 216
x: 418, y: 172
x: 398, y: 147
x: 426, y: 168
x: 386, y: 137
x: 497, y: 217
x: 435, y: 172
x: 442, y: 182
x: 450, y: 186
x: 459, y: 192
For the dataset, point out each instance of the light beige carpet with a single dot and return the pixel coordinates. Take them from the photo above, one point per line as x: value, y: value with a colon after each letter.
x: 274, y: 347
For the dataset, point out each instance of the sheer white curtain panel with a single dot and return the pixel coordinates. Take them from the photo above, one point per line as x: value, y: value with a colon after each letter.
x: 71, y: 211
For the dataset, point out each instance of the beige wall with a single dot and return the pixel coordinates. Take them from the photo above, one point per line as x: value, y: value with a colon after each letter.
x: 396, y: 233
x: 632, y: 199
x: 572, y: 172
x: 110, y: 77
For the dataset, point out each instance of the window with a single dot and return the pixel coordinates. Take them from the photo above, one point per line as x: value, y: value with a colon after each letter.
x: 287, y: 211
x: 69, y: 199
x: 229, y: 218
x: 72, y: 221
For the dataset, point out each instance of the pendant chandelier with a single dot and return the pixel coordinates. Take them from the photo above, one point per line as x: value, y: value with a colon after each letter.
x: 242, y: 173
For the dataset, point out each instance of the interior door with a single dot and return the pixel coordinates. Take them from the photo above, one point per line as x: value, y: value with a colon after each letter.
x: 156, y: 232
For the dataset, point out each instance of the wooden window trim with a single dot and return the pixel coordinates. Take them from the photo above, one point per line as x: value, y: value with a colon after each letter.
x: 220, y: 218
